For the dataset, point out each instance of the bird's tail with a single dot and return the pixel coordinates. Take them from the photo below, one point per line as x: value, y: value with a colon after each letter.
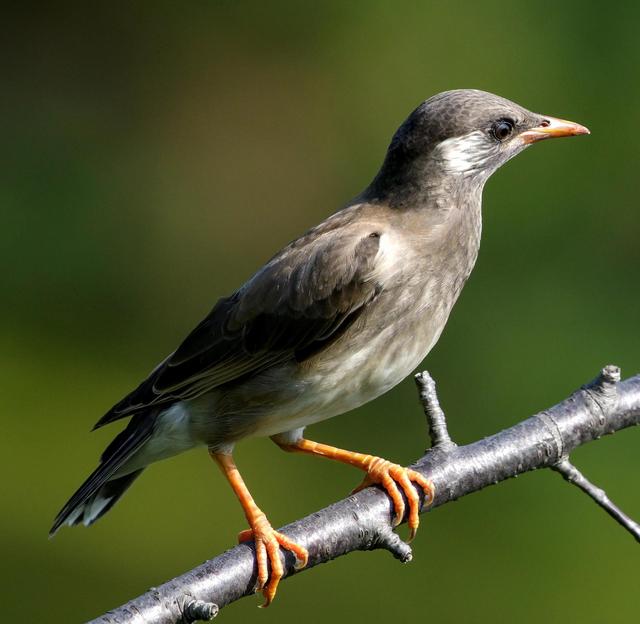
x: 103, y: 487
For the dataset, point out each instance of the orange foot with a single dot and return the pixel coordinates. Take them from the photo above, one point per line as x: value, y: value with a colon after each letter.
x: 390, y: 476
x: 268, y: 542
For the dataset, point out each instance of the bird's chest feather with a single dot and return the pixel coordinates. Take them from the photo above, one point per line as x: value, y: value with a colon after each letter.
x: 403, y: 324
x: 379, y: 353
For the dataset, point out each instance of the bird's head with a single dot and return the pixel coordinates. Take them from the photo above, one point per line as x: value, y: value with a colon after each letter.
x: 464, y: 134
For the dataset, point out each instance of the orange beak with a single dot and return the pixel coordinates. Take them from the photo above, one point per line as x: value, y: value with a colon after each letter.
x: 552, y: 128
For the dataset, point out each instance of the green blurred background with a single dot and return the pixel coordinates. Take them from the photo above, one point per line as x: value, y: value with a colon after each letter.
x: 154, y: 155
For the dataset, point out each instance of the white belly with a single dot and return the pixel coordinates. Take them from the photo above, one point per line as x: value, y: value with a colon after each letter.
x: 338, y: 386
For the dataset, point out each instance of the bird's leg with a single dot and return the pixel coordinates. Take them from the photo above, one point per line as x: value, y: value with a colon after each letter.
x: 392, y: 477
x: 265, y: 537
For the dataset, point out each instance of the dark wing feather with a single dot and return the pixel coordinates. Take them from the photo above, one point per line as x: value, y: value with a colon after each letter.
x: 304, y: 298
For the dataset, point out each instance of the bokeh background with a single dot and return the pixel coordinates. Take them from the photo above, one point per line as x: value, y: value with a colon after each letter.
x: 155, y: 154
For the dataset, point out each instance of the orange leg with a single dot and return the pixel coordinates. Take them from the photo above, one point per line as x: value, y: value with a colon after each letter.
x: 266, y: 538
x: 392, y: 477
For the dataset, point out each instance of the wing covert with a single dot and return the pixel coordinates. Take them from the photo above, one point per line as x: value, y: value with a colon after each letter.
x: 299, y: 302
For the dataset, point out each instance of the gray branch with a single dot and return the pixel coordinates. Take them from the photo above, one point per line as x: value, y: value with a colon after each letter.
x: 363, y: 521
x: 573, y: 475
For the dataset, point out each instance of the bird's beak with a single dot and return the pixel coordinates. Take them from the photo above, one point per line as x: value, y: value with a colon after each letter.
x: 551, y: 128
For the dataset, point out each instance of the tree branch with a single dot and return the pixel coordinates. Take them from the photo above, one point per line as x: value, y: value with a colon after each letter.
x: 573, y: 475
x: 363, y: 521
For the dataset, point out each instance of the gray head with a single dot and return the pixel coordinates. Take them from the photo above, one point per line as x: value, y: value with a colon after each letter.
x: 459, y: 136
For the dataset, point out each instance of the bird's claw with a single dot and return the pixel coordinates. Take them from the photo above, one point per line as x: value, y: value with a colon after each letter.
x: 393, y: 478
x: 267, y: 542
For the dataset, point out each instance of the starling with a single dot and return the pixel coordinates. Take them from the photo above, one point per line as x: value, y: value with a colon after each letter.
x: 338, y: 317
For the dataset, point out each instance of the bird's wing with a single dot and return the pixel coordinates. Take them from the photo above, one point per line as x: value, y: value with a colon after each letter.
x: 301, y: 300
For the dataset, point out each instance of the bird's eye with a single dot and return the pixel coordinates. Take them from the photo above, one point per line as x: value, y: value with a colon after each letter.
x: 502, y: 129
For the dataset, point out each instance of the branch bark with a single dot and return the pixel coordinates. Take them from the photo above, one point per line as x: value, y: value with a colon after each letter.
x: 363, y: 521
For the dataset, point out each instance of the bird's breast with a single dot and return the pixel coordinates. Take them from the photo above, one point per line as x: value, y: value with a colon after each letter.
x: 377, y: 352
x: 401, y: 326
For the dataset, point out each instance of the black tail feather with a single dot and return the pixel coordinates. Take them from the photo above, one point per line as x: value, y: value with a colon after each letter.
x: 104, y: 499
x: 99, y: 490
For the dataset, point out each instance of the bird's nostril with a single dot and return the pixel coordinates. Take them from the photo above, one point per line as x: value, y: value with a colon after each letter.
x: 545, y: 123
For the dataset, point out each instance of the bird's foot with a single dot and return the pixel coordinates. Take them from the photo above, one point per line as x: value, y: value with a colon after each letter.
x: 268, y: 541
x: 393, y: 478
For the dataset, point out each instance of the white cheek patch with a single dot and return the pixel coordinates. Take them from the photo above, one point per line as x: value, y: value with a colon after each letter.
x: 466, y: 153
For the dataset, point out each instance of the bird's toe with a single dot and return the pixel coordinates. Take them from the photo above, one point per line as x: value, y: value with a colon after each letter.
x: 269, y: 562
x: 398, y: 480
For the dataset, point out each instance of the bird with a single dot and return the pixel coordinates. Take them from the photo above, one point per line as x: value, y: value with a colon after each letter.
x: 335, y: 319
